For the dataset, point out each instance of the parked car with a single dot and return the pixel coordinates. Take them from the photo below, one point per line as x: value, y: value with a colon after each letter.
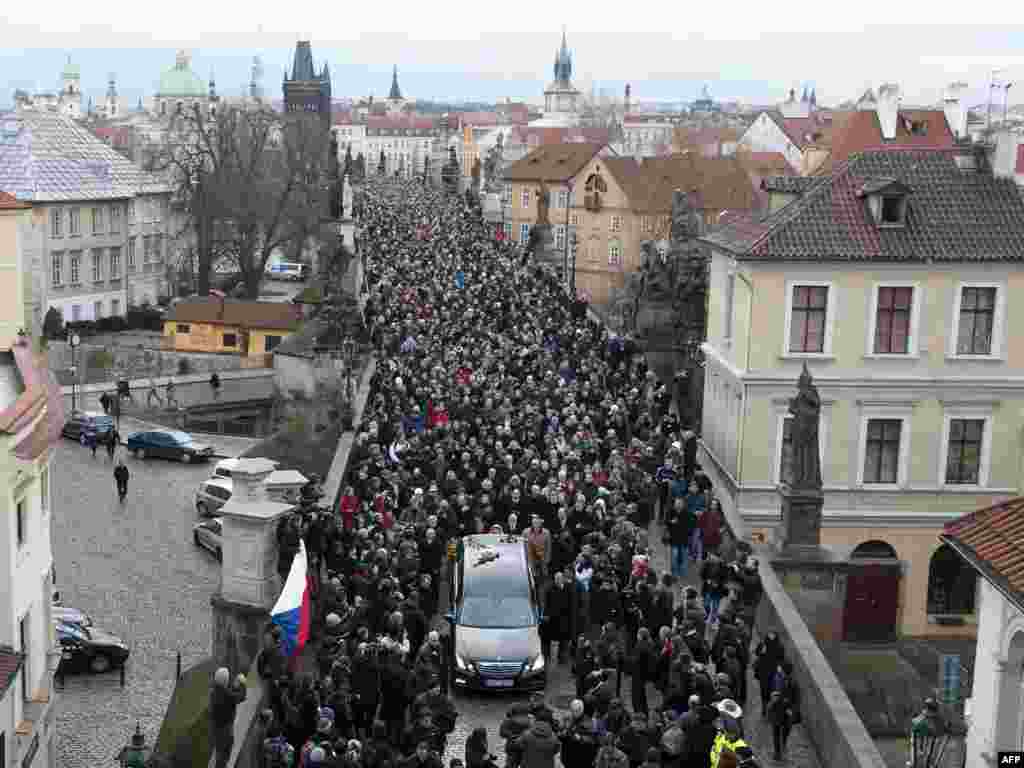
x: 61, y: 614
x: 82, y: 421
x: 168, y: 444
x: 89, y: 648
x: 209, y: 535
x: 213, y: 494
x: 496, y: 617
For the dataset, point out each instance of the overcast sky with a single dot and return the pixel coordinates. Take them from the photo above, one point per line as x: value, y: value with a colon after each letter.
x: 749, y: 51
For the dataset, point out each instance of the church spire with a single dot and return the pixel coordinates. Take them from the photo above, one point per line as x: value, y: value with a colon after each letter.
x: 396, y: 92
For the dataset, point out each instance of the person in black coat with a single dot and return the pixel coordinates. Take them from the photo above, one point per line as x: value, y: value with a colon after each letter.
x: 642, y: 663
x: 560, y: 618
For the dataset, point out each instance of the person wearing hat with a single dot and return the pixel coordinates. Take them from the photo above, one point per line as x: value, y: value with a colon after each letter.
x: 730, y: 737
x: 225, y: 696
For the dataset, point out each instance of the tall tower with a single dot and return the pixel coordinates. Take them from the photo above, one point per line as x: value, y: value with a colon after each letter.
x: 71, y: 90
x: 256, y: 80
x: 110, y: 105
x: 304, y: 89
x: 626, y: 104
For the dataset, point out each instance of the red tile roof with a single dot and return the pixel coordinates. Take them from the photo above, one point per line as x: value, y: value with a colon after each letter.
x: 9, y: 202
x: 552, y: 162
x: 244, y: 314
x: 861, y: 131
x: 952, y: 216
x: 992, y: 540
x: 10, y: 663
x: 479, y: 119
x: 715, y: 183
x: 420, y: 123
x: 341, y: 117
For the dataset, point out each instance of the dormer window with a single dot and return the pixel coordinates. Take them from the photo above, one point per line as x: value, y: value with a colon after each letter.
x: 887, y: 201
x: 919, y: 128
x: 893, y: 210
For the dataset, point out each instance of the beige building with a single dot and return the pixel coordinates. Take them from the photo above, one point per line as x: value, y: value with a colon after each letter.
x: 96, y: 240
x: 609, y: 205
x: 892, y: 281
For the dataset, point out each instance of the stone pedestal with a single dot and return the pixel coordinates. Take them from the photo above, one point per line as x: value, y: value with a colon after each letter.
x: 249, y: 582
x: 800, y: 532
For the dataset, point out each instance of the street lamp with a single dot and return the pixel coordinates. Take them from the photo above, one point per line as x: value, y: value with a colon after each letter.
x: 136, y: 754
x: 572, y: 267
x: 74, y: 341
x: 929, y: 737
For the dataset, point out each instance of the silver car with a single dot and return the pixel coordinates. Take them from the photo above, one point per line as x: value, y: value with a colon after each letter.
x: 209, y: 535
x: 212, y: 494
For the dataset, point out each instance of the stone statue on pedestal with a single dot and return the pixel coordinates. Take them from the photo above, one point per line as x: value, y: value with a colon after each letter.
x: 346, y: 196
x: 806, y: 411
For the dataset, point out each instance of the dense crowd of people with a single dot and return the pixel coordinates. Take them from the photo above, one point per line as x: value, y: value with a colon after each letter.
x: 497, y: 404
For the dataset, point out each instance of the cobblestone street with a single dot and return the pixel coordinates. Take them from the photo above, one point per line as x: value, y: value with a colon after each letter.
x: 135, y: 569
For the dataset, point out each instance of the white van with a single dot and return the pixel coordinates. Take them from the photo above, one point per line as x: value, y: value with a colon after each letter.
x: 287, y: 270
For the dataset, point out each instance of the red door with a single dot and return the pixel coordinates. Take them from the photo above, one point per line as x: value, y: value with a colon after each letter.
x: 872, y: 604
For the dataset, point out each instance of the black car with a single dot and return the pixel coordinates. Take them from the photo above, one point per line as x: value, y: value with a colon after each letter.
x: 168, y: 444
x: 497, y: 616
x: 89, y: 648
x: 86, y: 421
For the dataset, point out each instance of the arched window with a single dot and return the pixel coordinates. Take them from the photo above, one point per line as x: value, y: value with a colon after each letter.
x: 873, y: 550
x: 951, y: 583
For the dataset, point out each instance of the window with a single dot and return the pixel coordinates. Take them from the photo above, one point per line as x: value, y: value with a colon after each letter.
x: 158, y: 248
x: 97, y: 221
x: 574, y: 220
x: 560, y: 236
x: 808, y: 318
x: 57, y: 222
x: 22, y: 523
x: 507, y: 227
x: 97, y: 310
x: 727, y: 310
x: 645, y: 223
x: 882, y: 451
x: 76, y: 267
x: 131, y: 254
x: 563, y: 198
x: 951, y: 583
x: 74, y: 222
x: 147, y: 246
x: 97, y: 266
x: 615, y: 224
x: 76, y: 313
x: 115, y: 307
x: 524, y: 233
x: 893, y: 209
x: 115, y: 263
x: 270, y: 343
x: 182, y: 328
x: 964, y: 451
x: 130, y: 211
x: 976, y: 320
x: 44, y: 493
x: 918, y: 128
x: 614, y: 254
x: 893, y: 312
x: 115, y: 219
x: 57, y: 262
x: 230, y: 340
x: 524, y: 198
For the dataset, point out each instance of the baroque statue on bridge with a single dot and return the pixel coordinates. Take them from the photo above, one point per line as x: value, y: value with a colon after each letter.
x: 806, y: 411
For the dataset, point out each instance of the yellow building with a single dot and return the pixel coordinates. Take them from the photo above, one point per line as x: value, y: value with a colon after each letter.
x: 246, y: 328
x: 31, y: 418
x: 610, y: 205
x: 891, y: 280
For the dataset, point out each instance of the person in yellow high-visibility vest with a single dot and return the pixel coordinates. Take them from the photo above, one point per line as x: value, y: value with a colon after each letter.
x: 730, y: 736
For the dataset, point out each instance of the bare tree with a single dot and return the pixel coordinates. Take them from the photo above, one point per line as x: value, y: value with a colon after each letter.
x: 250, y: 181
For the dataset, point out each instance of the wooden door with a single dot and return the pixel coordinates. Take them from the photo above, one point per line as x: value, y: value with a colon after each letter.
x: 872, y: 604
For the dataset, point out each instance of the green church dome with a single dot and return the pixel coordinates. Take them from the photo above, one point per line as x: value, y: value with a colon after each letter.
x: 180, y: 81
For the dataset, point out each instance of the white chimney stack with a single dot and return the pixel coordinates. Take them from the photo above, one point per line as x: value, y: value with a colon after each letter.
x: 953, y: 106
x: 888, y: 109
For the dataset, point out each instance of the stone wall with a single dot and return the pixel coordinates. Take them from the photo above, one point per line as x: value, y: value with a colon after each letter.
x: 830, y: 720
x: 136, y: 362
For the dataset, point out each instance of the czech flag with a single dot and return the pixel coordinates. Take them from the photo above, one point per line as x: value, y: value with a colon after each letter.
x: 292, y: 610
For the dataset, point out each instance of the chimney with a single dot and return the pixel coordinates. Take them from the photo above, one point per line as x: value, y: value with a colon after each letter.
x: 888, y: 108
x: 956, y: 113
